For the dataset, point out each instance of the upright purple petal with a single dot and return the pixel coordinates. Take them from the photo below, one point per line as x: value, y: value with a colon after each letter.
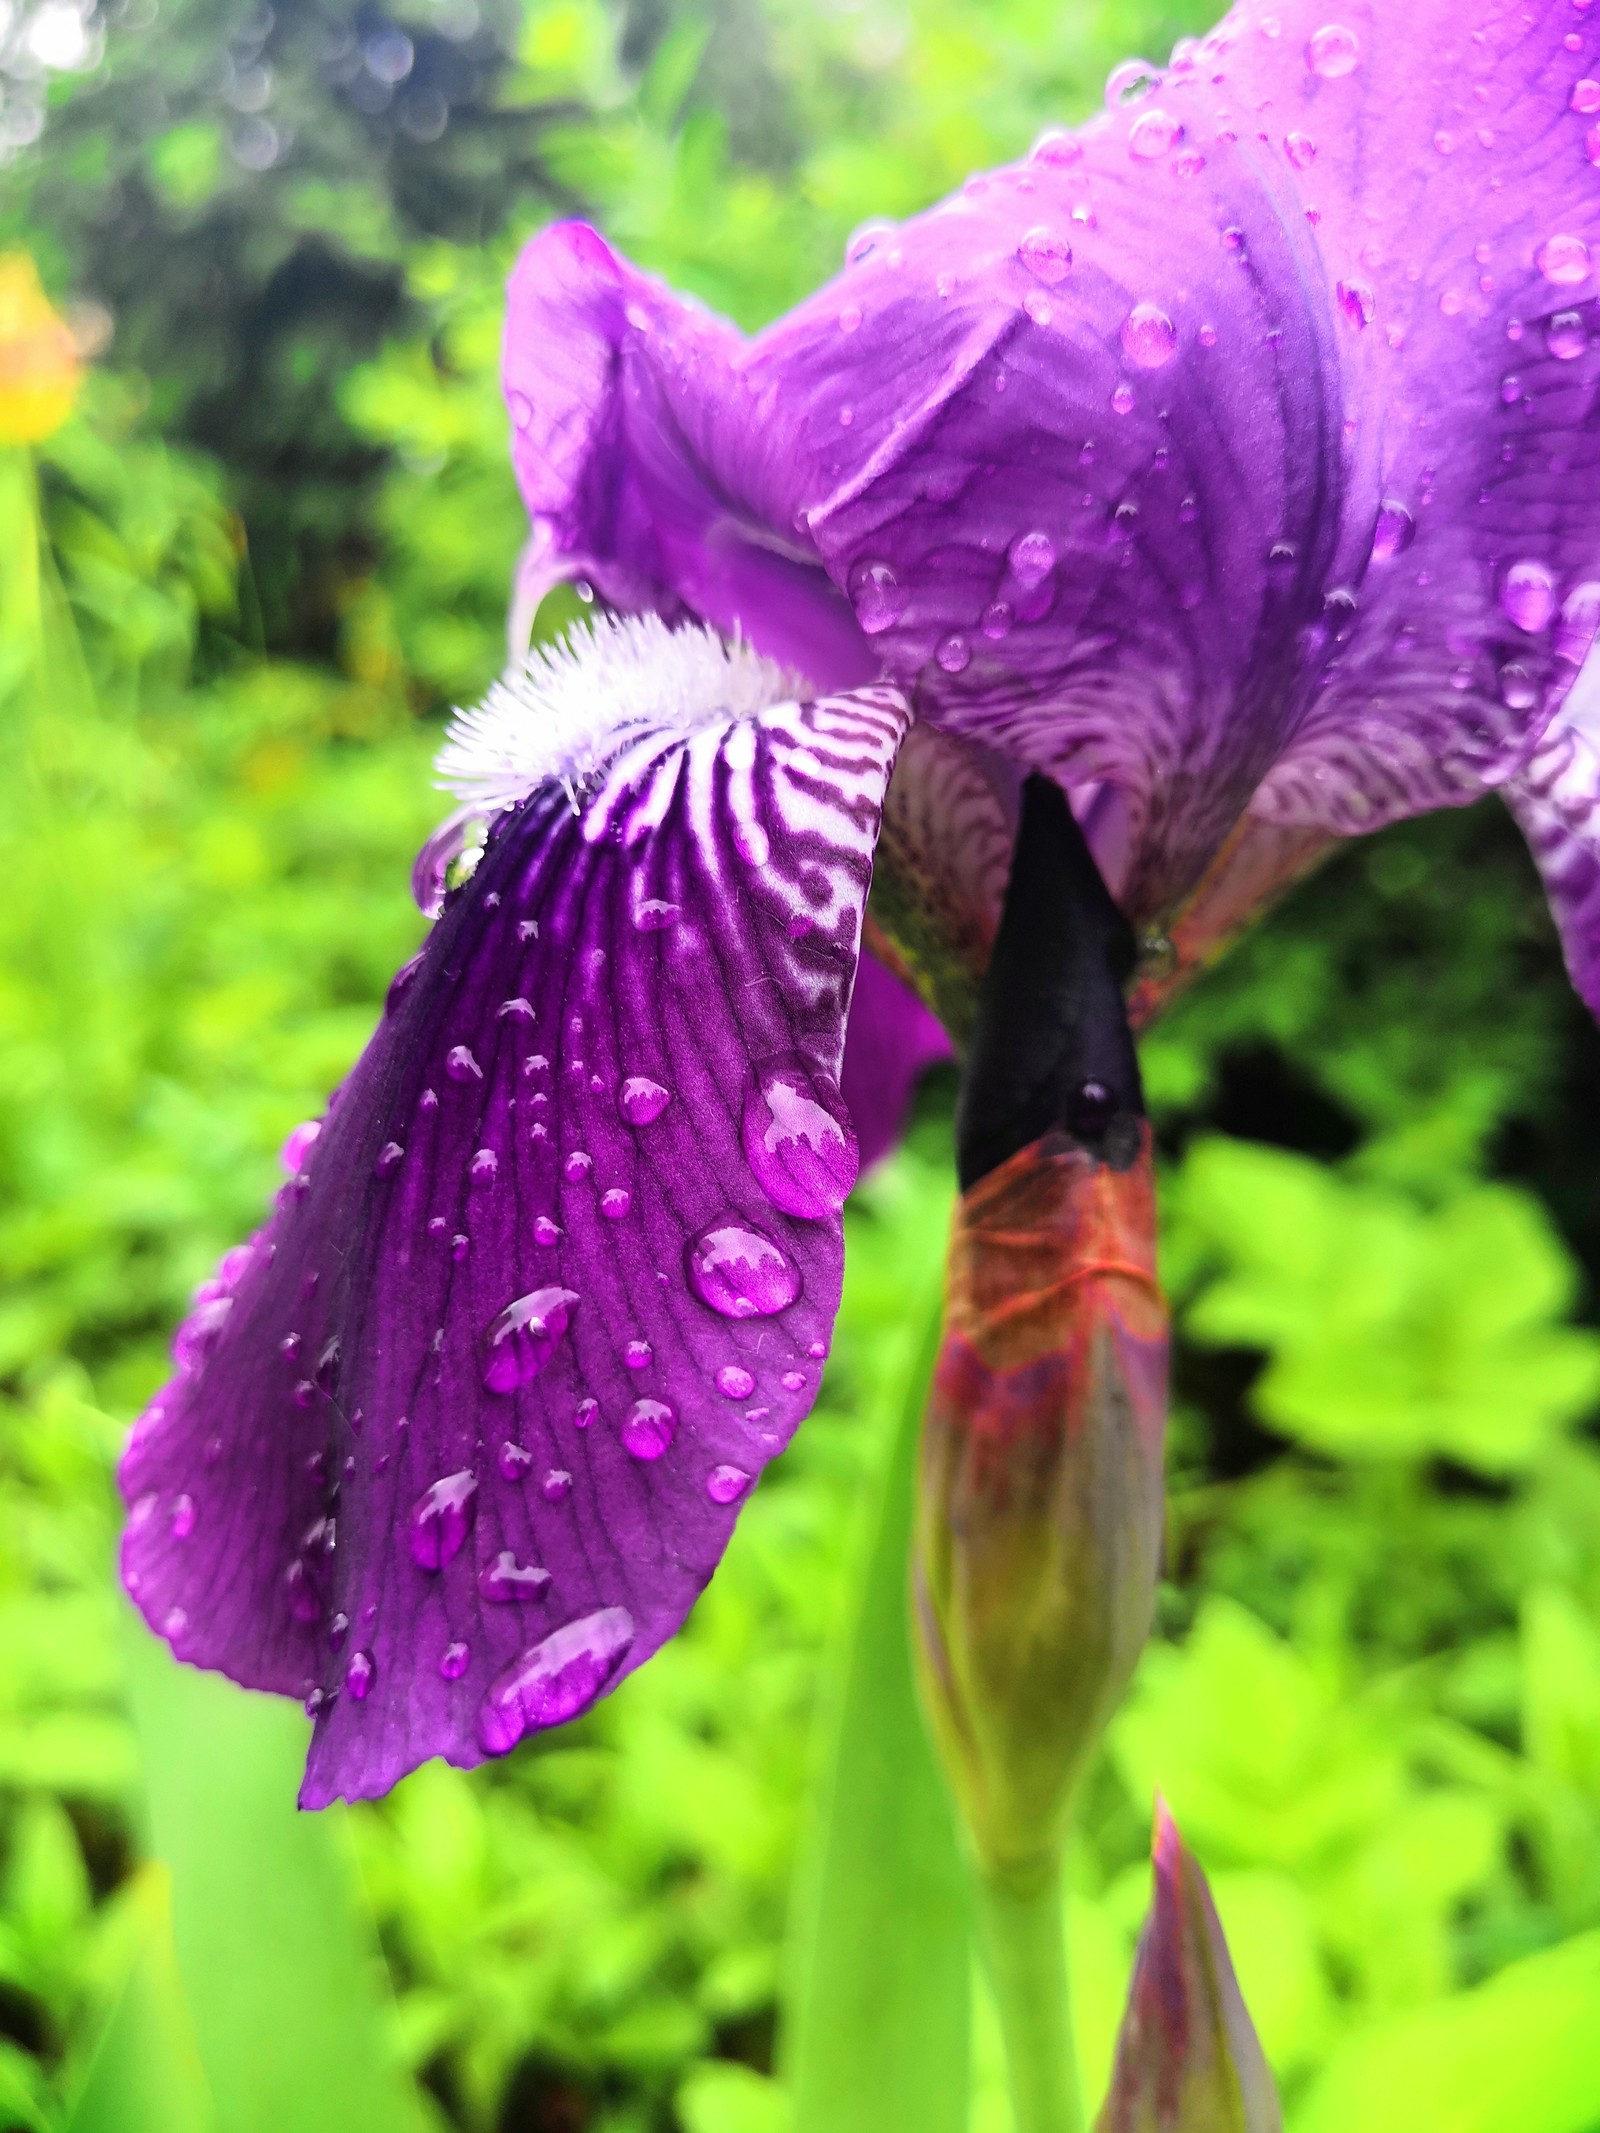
x: 456, y: 1442
x: 1239, y: 451
x: 891, y: 1042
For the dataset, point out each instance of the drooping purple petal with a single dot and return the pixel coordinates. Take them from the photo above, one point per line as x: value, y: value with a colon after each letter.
x: 1556, y: 800
x: 1239, y: 450
x: 456, y: 1442
x: 891, y: 1042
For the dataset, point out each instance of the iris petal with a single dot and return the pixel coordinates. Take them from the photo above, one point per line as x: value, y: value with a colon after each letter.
x: 449, y: 1449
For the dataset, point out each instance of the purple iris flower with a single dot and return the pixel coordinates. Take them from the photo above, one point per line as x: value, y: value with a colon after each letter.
x: 1234, y: 460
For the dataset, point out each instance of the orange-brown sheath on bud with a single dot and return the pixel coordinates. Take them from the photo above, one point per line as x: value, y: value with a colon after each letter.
x: 1040, y: 1496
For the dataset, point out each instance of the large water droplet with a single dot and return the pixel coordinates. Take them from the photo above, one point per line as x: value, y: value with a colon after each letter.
x: 441, y: 1519
x: 506, y: 1580
x: 734, y: 1382
x: 739, y: 1272
x: 726, y: 1484
x: 1046, y: 255
x: 1528, y: 595
x: 523, y: 1338
x: 641, y: 1100
x: 1149, y: 337
x: 546, y: 1234
x: 1033, y: 557
x: 484, y: 1167
x: 1563, y: 259
x: 1394, y: 531
x: 877, y: 595
x: 638, y: 1355
x: 647, y: 1429
x: 1152, y: 134
x: 554, y: 1679
x: 1333, y: 50
x: 556, y: 1486
x: 1566, y: 336
x: 870, y: 237
x: 799, y: 1143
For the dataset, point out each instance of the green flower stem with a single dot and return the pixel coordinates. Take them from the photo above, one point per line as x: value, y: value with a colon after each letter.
x: 1023, y: 1939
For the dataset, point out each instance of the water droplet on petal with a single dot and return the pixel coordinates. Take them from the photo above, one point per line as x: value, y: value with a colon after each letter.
x: 554, y: 1679
x: 1301, y: 150
x: 734, y: 1382
x: 1394, y: 531
x: 615, y: 1203
x: 484, y: 1167
x: 1046, y: 255
x: 1586, y: 96
x: 299, y: 1145
x: 441, y: 1519
x: 183, y: 1517
x: 726, y: 1484
x: 1332, y: 51
x: 359, y: 1676
x: 1149, y: 338
x: 752, y: 843
x: 545, y: 1232
x: 1357, y: 302
x: 648, y: 1428
x: 556, y: 1486
x: 460, y: 1065
x: 585, y: 1413
x: 1518, y: 689
x: 199, y: 1333
x: 505, y: 1580
x: 1579, y: 624
x: 513, y: 1460
x: 390, y: 1156
x: 338, y: 1630
x: 793, y: 1381
x: 306, y: 1603
x: 654, y: 915
x: 523, y: 1338
x: 877, y: 595
x: 1591, y: 144
x: 577, y: 1166
x: 1128, y: 81
x: 454, y: 1660
x: 1528, y: 596
x: 641, y: 1100
x: 174, y: 1622
x: 446, y: 859
x: 1566, y: 336
x: 1152, y: 134
x: 996, y: 620
x: 739, y: 1272
x: 638, y: 1355
x: 1563, y: 259
x: 1033, y: 557
x: 1122, y: 398
x: 849, y: 318
x: 798, y: 1141
x: 1056, y: 148
x: 954, y: 654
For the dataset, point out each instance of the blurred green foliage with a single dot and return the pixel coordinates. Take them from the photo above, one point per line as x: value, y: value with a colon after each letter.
x: 235, y: 592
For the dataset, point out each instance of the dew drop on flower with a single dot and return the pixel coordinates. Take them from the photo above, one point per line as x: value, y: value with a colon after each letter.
x: 1510, y: 389
x: 299, y: 1145
x: 1332, y: 51
x: 734, y: 1382
x: 726, y: 1484
x: 554, y: 1679
x: 1128, y: 81
x: 390, y: 1156
x: 1122, y: 399
x: 793, y: 1381
x: 183, y: 1517
x: 1357, y: 302
x: 577, y: 1166
x: 198, y: 1335
x: 359, y: 1676
x: 1056, y: 148
x: 740, y: 1273
x: 1518, y: 690
x: 1566, y: 337
x: 1033, y: 557
x: 647, y: 1429
x: 505, y: 1580
x: 1152, y: 134
x: 641, y: 1100
x: 460, y: 1064
x: 1586, y: 96
x: 584, y: 1413
x: 338, y: 1630
x: 1394, y: 531
x: 996, y: 620
x: 654, y: 915
x: 954, y: 654
x: 545, y: 1232
x: 1301, y: 150
x: 441, y: 1519
x: 798, y: 1142
x: 866, y: 240
x: 849, y: 318
x: 752, y: 843
x: 453, y: 1661
x: 877, y: 595
x: 1047, y: 256
x: 484, y: 1167
x: 513, y: 1460
x: 556, y: 1486
x: 638, y: 1355
x: 1528, y: 596
x: 1563, y: 259
x: 614, y: 1204
x: 1149, y: 338
x: 1591, y: 144
x: 523, y: 1338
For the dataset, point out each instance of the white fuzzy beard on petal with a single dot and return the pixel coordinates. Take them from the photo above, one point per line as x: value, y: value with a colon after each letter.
x: 571, y: 707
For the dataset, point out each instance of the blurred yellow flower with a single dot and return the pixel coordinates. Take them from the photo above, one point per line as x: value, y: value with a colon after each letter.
x: 38, y: 356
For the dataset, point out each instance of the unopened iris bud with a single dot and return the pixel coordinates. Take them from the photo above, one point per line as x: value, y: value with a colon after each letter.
x: 38, y: 357
x: 1040, y: 1501
x: 1188, y: 2058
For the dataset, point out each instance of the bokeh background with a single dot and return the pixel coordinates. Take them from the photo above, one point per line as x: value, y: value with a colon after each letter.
x: 239, y: 590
